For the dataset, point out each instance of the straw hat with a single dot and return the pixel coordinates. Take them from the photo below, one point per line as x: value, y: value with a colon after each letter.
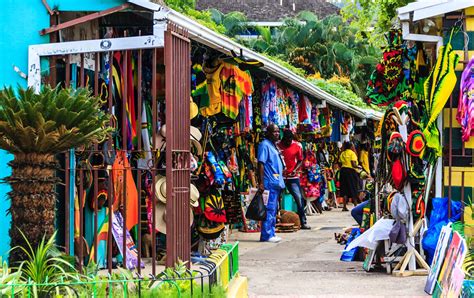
x: 160, y: 189
x: 193, y: 109
x: 194, y: 196
x: 195, y: 137
x: 160, y: 192
x: 160, y: 217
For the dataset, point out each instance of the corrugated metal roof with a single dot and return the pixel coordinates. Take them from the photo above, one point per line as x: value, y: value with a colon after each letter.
x: 224, y: 44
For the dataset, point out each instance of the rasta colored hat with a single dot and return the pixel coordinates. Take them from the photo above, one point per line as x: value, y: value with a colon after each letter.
x: 395, y: 146
x: 416, y: 143
x: 209, y: 229
x: 399, y: 174
x: 214, y: 207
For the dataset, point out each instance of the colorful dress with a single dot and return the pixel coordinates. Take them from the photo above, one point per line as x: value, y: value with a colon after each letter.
x: 304, y: 110
x: 465, y: 114
x: 282, y: 108
x: 269, y: 102
x: 293, y: 118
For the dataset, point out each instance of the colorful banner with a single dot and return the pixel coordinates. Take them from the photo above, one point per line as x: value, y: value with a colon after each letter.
x: 131, y: 249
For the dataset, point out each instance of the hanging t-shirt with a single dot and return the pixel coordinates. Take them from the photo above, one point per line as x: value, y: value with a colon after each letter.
x: 293, y: 117
x: 268, y: 102
x: 315, y: 119
x: 235, y: 84
x: 282, y: 108
x: 304, y: 110
x: 213, y: 83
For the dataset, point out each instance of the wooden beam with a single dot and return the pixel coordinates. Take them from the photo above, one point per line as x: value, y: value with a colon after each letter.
x: 50, y: 11
x: 84, y: 19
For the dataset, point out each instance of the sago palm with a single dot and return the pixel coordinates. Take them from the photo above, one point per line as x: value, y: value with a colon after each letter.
x: 35, y: 127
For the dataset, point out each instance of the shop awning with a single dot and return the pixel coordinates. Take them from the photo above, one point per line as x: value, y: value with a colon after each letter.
x: 208, y: 37
x: 423, y: 9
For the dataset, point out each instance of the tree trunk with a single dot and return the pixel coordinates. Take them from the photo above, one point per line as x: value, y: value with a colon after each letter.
x: 33, y: 200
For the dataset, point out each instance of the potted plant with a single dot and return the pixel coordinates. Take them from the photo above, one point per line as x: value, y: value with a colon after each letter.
x: 35, y: 127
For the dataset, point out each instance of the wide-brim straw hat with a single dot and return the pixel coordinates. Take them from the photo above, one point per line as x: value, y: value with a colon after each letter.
x: 160, y: 217
x: 160, y: 189
x: 194, y: 134
x: 160, y: 192
x: 193, y: 109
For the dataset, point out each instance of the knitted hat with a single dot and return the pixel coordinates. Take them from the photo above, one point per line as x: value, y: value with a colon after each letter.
x: 399, y: 174
x: 416, y: 143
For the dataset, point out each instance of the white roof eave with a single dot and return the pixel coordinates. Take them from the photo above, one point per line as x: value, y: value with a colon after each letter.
x: 222, y: 43
x: 428, y: 9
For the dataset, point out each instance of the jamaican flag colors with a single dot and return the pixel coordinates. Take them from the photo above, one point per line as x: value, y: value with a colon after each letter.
x: 437, y: 88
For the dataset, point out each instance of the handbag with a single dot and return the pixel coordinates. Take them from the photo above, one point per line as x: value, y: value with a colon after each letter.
x: 257, y: 209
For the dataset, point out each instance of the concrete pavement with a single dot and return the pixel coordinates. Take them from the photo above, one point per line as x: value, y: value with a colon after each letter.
x: 306, y: 263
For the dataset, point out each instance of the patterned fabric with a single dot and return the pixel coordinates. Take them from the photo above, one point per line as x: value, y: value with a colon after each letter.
x: 465, y: 114
x: 438, y: 87
x: 213, y: 84
x: 293, y: 116
x: 269, y: 103
x: 282, y: 108
x: 315, y: 119
x: 388, y: 83
x: 304, y: 110
x: 235, y: 85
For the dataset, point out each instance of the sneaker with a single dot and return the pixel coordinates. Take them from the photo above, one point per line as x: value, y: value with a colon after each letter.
x: 274, y: 239
x: 305, y: 227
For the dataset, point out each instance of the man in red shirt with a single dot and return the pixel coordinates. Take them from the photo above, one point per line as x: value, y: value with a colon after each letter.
x: 292, y: 153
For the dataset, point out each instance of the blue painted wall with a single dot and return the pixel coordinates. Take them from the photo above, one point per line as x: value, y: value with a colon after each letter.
x: 20, y: 23
x: 83, y: 5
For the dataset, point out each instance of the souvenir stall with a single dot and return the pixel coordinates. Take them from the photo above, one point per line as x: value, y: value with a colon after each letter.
x: 233, y: 117
x: 124, y: 197
x: 409, y: 150
x: 415, y: 85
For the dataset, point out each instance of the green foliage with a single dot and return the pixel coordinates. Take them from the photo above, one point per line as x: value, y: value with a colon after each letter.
x: 306, y: 45
x: 181, y: 4
x: 372, y: 18
x: 328, y: 47
x: 341, y: 92
x: 50, y: 121
x: 44, y: 265
x: 8, y: 278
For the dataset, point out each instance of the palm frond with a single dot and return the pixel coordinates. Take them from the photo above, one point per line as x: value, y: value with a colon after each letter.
x: 49, y: 121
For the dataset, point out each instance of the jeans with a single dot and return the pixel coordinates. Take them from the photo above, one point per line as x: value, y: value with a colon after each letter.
x: 268, y: 226
x: 358, y: 211
x: 294, y: 187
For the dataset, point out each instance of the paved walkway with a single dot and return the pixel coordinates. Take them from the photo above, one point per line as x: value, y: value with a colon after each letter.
x: 306, y: 263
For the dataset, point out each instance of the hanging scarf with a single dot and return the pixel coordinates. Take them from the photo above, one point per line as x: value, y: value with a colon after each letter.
x: 438, y: 88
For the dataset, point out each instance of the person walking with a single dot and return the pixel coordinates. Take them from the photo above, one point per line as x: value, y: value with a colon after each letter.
x: 292, y: 153
x: 349, y: 179
x: 270, y: 170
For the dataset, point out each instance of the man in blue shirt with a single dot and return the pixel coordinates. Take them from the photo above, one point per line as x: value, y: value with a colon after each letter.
x: 270, y: 170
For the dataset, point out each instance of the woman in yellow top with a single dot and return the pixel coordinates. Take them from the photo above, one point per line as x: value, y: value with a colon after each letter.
x: 349, y: 179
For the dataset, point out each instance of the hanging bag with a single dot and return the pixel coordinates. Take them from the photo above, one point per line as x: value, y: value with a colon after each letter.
x: 257, y: 209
